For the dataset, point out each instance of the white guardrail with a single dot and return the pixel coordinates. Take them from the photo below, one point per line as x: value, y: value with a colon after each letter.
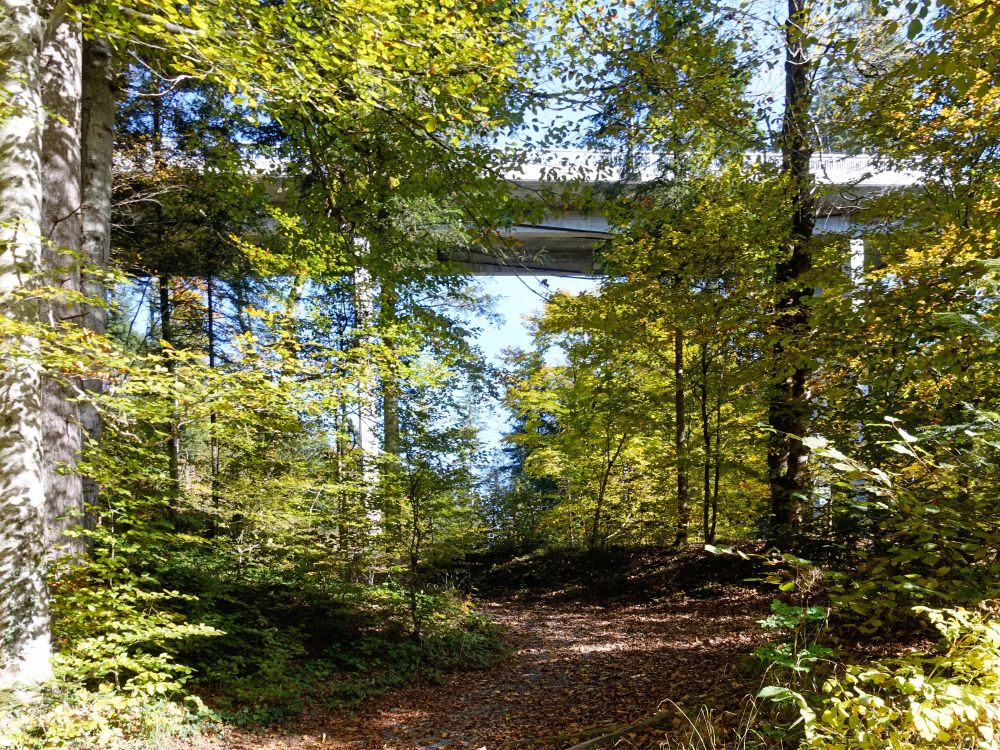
x: 596, y: 166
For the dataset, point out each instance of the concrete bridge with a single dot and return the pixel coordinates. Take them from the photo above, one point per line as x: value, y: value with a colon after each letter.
x: 563, y: 243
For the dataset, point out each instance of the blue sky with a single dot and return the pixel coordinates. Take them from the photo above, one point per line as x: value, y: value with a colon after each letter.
x: 515, y: 298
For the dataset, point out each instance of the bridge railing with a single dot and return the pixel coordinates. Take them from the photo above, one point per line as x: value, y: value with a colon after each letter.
x: 599, y: 166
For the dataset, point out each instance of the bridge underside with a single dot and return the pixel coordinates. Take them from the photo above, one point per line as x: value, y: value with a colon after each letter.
x: 565, y: 243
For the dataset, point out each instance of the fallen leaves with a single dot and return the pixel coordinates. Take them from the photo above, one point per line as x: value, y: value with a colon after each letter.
x: 578, y: 671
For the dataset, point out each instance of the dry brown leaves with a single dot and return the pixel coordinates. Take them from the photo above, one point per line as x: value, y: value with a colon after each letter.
x: 579, y: 670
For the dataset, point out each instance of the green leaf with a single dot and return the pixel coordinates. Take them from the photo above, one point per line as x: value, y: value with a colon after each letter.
x: 903, y: 449
x: 815, y: 442
x: 775, y: 692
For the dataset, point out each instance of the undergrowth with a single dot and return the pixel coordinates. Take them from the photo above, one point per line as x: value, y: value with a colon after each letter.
x: 932, y: 570
x: 138, y: 662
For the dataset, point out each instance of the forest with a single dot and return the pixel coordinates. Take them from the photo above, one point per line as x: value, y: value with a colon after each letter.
x: 747, y: 491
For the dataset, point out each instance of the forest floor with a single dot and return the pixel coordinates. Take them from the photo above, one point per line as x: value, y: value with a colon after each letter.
x: 579, y: 668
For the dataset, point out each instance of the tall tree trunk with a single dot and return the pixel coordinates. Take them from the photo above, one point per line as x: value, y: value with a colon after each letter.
x: 680, y: 444
x: 165, y: 310
x: 238, y: 286
x: 25, y: 645
x: 167, y: 334
x: 367, y: 442
x: 97, y: 122
x: 390, y: 385
x: 62, y: 435
x: 213, y: 418
x: 610, y: 458
x: 706, y: 436
x: 391, y: 442
x: 415, y: 541
x: 368, y: 448
x: 718, y: 457
x: 343, y: 493
x: 788, y: 409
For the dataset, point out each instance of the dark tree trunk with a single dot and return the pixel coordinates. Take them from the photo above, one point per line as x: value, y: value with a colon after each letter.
x: 718, y: 460
x: 97, y: 123
x: 165, y: 311
x: 213, y: 418
x: 680, y: 444
x: 706, y: 436
x: 602, y: 490
x: 167, y: 334
x: 342, y: 475
x: 388, y: 312
x: 789, y: 406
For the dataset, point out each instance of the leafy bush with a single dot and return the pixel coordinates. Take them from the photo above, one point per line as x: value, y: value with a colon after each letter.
x: 472, y: 642
x: 931, y: 545
x: 798, y: 654
x: 118, y: 681
x: 291, y: 639
x: 270, y: 554
x: 62, y: 717
x: 929, y: 552
x: 946, y: 699
x: 119, y: 635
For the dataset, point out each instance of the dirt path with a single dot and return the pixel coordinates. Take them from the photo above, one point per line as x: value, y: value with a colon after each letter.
x: 575, y: 667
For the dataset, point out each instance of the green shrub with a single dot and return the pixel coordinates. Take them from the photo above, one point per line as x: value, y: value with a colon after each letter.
x: 931, y: 545
x: 119, y: 681
x: 120, y: 635
x: 946, y: 699
x: 62, y: 717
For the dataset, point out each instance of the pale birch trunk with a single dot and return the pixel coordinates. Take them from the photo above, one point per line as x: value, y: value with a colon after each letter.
x: 61, y: 63
x: 367, y: 436
x: 25, y: 645
x: 364, y: 313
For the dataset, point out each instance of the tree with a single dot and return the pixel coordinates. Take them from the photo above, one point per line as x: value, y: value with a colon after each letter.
x: 433, y: 491
x: 24, y: 26
x: 62, y: 81
x: 689, y: 274
x: 78, y: 99
x: 685, y: 93
x: 97, y: 112
x: 592, y: 426
x: 373, y: 63
x: 790, y: 400
x: 923, y: 298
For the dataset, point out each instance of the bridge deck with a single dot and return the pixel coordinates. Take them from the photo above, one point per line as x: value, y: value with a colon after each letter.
x: 564, y: 243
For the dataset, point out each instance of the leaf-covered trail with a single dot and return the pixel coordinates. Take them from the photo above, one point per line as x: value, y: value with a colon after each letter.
x: 575, y: 667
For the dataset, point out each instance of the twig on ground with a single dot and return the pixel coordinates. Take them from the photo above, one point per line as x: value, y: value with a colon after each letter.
x: 608, y: 739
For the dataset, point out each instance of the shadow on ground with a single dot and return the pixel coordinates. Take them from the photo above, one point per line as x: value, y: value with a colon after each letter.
x: 576, y: 666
